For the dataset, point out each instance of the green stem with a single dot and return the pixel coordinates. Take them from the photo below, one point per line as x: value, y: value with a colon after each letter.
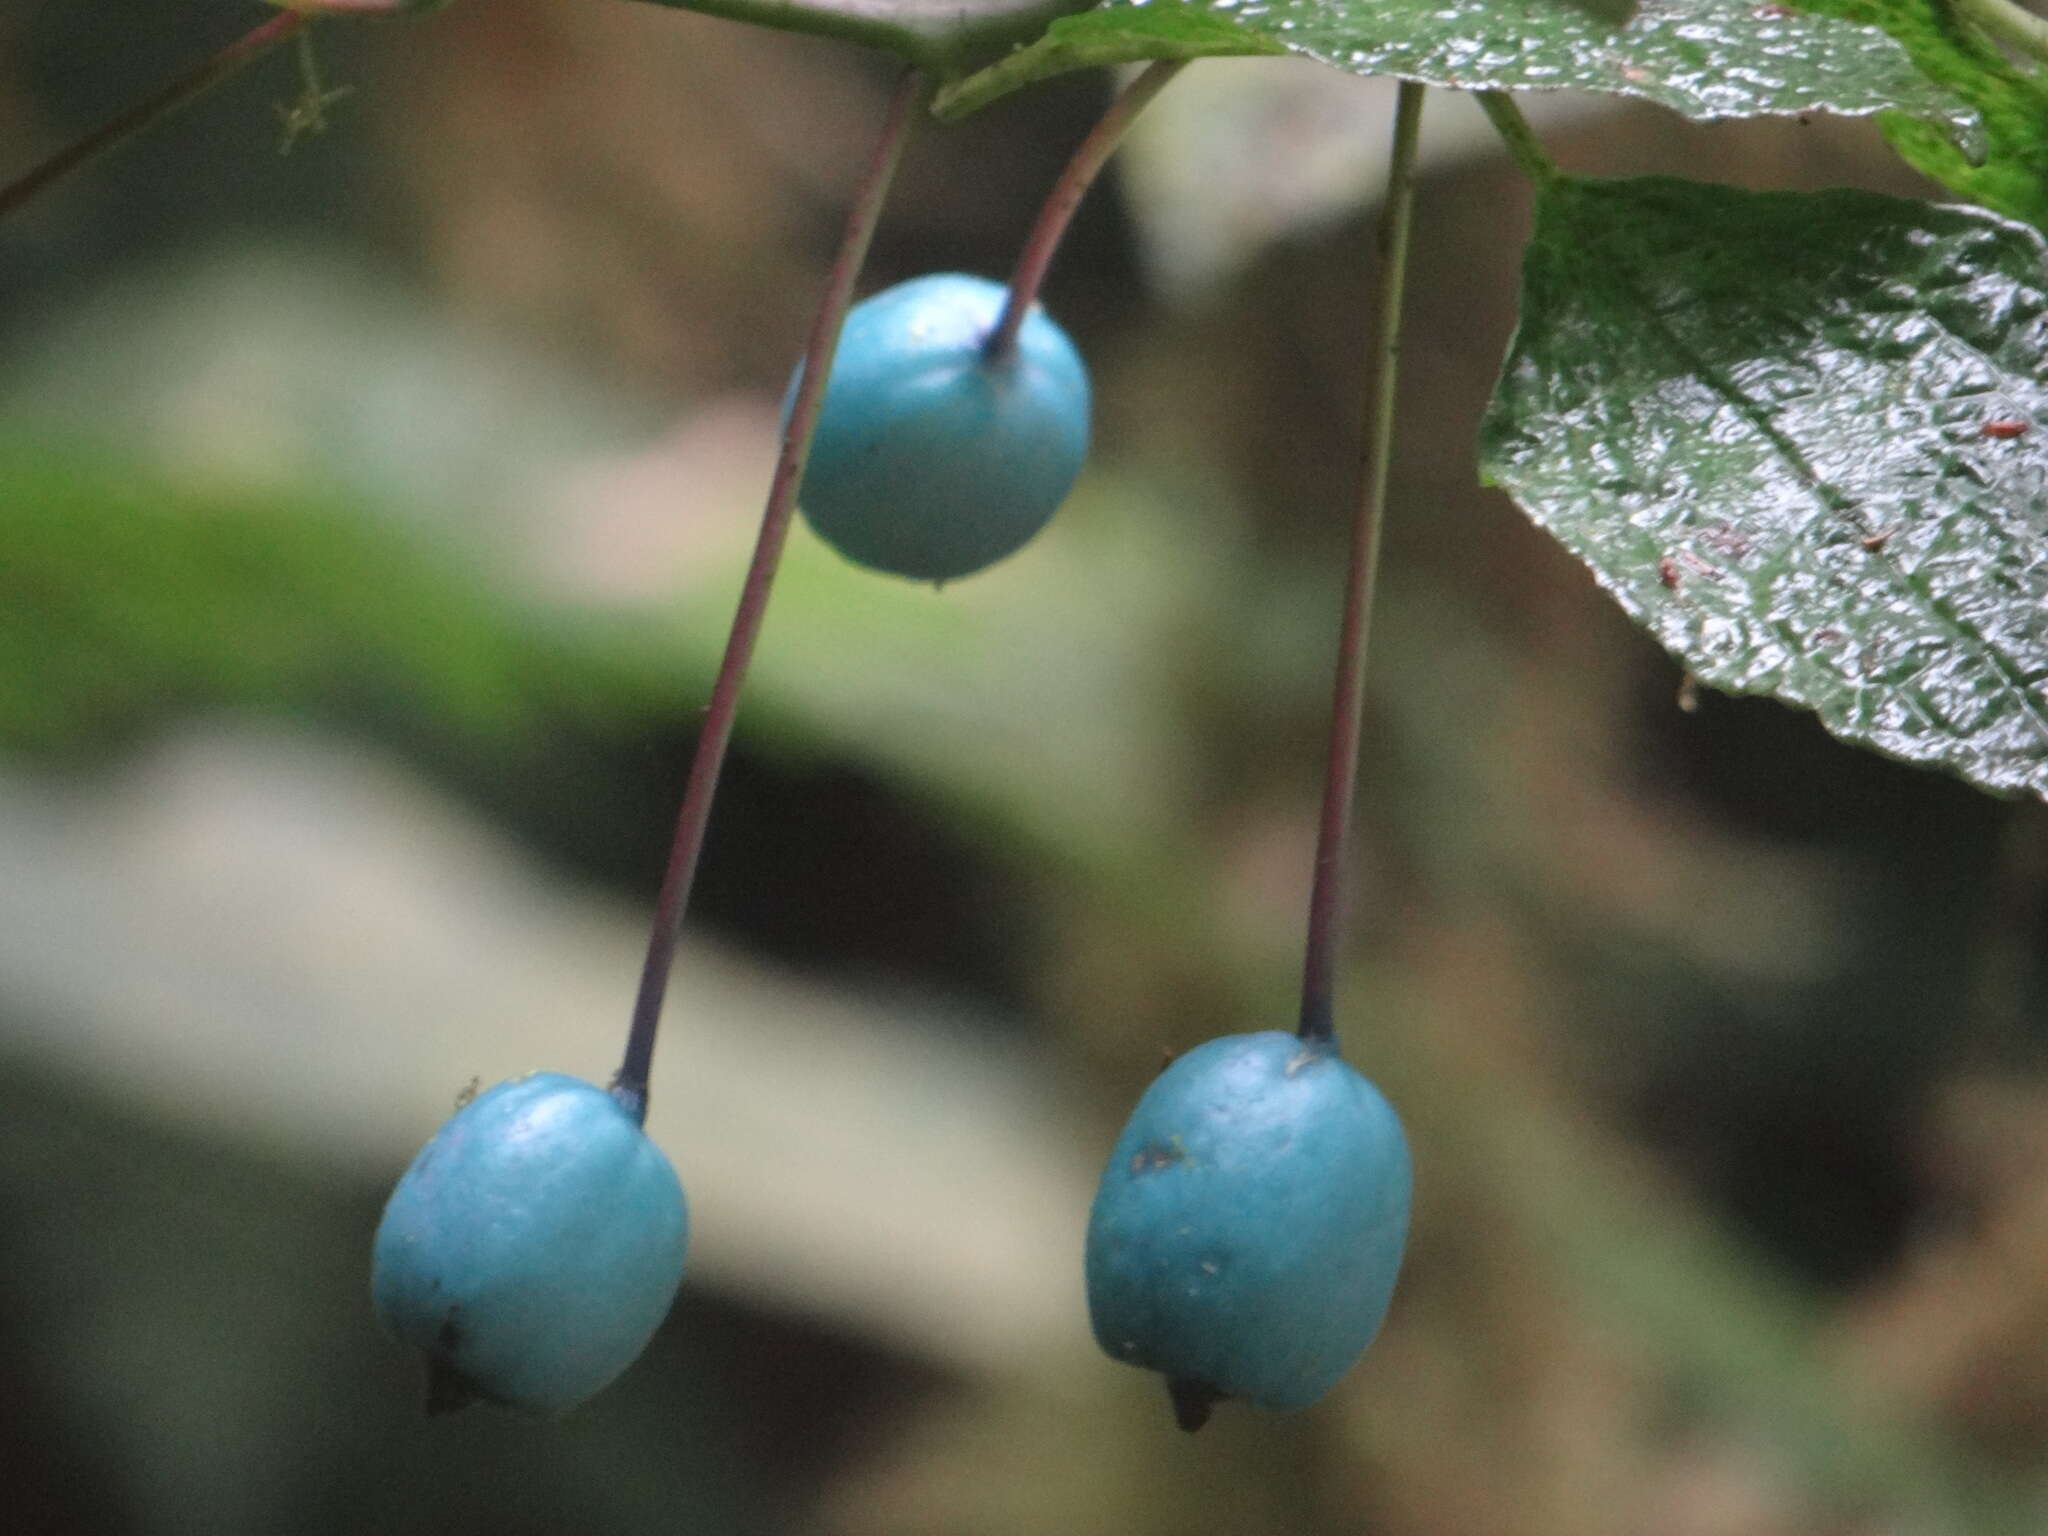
x: 2014, y: 26
x: 630, y: 1085
x: 1333, y: 837
x: 1064, y: 200
x: 188, y: 87
x: 1519, y: 137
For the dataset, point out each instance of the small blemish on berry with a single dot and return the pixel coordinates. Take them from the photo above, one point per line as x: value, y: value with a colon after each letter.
x: 1155, y: 1155
x: 448, y: 1390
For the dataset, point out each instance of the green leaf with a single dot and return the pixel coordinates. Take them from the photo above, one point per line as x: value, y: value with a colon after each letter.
x: 1802, y: 439
x: 946, y: 38
x: 2012, y: 175
x: 1703, y: 58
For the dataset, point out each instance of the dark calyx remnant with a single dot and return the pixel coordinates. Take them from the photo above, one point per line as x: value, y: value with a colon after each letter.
x: 447, y: 1388
x: 1192, y: 1401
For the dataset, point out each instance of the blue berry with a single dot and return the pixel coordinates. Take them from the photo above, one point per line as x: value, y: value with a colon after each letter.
x: 532, y: 1248
x: 931, y: 460
x: 1248, y: 1230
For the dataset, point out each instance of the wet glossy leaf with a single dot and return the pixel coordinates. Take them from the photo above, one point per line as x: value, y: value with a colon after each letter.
x: 1801, y: 438
x: 1704, y: 58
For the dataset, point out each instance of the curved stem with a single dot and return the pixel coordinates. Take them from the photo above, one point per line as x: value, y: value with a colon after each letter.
x: 230, y: 61
x: 1519, y: 137
x: 630, y: 1085
x: 1333, y: 836
x: 2016, y: 27
x: 946, y: 39
x: 1065, y: 199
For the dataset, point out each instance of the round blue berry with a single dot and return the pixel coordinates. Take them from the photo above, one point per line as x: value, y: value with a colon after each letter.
x: 931, y: 459
x: 1248, y: 1230
x: 532, y: 1248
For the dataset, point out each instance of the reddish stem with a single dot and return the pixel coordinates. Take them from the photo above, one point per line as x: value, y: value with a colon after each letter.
x: 630, y: 1085
x: 1065, y: 199
x: 231, y: 60
x: 1333, y: 837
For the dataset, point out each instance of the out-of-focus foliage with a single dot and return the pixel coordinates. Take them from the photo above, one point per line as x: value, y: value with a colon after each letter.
x: 2012, y: 101
x: 130, y: 602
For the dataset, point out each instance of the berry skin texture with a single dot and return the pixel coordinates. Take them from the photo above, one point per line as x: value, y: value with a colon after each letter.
x: 930, y: 460
x: 532, y: 1248
x: 1248, y: 1230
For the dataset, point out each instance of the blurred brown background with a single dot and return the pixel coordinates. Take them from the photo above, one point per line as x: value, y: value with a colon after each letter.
x: 370, y: 516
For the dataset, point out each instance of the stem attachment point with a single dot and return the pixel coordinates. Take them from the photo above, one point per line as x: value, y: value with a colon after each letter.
x: 1064, y: 200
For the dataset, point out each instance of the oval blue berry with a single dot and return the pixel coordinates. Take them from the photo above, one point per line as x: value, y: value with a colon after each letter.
x: 1249, y: 1228
x: 930, y: 460
x: 532, y: 1248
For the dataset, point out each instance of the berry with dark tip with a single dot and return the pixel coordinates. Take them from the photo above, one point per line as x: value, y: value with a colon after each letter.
x: 532, y: 1248
x: 1248, y: 1230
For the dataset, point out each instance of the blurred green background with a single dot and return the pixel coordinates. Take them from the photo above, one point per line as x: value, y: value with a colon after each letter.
x: 370, y: 518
